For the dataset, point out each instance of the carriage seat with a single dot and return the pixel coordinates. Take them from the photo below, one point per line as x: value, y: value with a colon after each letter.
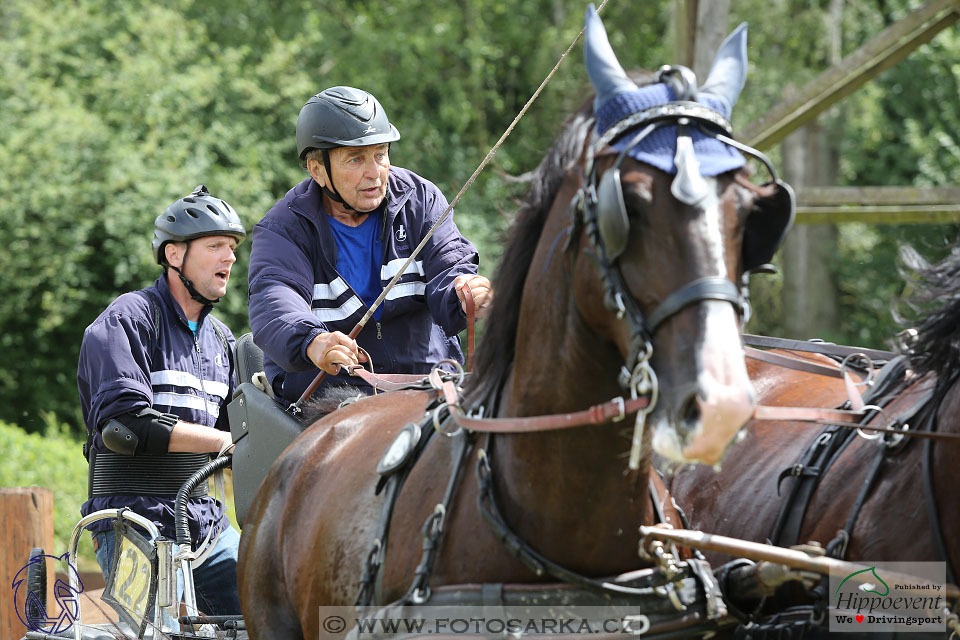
x: 260, y: 427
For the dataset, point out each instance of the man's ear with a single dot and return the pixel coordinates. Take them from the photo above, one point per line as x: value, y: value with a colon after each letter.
x: 173, y: 251
x: 317, y: 171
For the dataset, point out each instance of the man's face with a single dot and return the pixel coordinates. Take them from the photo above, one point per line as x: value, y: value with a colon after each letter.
x: 359, y: 174
x: 208, y: 265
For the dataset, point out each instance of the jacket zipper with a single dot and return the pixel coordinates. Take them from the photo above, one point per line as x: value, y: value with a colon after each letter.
x: 203, y: 391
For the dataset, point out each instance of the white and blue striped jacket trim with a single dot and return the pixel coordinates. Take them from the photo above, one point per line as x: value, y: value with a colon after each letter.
x: 187, y: 381
x: 331, y: 302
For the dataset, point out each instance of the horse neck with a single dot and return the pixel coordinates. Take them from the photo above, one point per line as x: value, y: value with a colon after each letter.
x: 575, y: 482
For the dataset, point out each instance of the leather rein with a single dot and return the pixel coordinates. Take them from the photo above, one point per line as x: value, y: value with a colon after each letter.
x: 852, y: 418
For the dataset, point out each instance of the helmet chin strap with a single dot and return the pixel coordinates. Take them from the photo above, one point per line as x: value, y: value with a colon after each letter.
x: 332, y: 192
x: 189, y: 283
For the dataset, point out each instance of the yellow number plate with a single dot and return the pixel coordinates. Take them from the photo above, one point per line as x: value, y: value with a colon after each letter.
x: 131, y: 587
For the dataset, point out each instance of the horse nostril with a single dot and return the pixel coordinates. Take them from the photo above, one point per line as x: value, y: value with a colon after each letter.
x: 688, y: 415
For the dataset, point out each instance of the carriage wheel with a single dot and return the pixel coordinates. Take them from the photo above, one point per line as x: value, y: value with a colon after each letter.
x: 37, y: 584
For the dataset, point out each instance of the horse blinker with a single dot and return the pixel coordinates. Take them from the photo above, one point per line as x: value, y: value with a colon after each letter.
x: 612, y: 221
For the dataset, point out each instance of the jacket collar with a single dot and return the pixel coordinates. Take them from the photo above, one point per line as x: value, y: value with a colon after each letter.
x: 306, y: 199
x: 162, y: 287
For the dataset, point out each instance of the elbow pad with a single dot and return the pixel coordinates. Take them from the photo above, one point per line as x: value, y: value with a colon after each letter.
x: 148, y: 431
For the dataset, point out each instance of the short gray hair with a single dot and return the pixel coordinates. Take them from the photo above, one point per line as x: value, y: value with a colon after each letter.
x: 312, y: 154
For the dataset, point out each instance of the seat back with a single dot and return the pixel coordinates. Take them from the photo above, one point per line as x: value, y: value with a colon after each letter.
x: 261, y: 430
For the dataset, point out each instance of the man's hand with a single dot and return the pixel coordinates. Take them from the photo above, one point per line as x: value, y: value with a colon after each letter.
x: 481, y: 290
x: 330, y: 351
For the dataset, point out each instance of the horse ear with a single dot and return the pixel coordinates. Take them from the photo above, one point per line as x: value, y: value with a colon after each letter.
x: 729, y: 71
x: 607, y: 76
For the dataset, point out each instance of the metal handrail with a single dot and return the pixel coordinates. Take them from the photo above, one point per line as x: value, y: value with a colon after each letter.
x: 87, y: 520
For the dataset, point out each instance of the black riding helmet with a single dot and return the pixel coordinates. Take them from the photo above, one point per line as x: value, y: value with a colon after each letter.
x: 342, y: 117
x: 194, y: 216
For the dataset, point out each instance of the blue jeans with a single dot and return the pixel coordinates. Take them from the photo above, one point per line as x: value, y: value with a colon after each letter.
x: 215, y: 581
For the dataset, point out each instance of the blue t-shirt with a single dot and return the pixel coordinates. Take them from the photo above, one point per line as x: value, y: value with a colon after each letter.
x: 194, y: 325
x: 359, y: 254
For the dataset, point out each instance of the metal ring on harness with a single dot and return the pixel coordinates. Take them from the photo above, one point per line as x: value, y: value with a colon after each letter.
x: 439, y: 427
x: 461, y: 374
x: 876, y: 434
x: 870, y: 370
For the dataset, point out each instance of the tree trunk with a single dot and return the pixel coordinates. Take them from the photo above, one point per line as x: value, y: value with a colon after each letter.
x: 713, y: 19
x: 810, y: 294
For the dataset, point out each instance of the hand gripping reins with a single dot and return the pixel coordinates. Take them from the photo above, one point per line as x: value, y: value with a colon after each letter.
x: 295, y: 407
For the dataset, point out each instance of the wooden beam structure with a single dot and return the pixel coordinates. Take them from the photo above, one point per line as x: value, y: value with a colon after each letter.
x: 883, y: 51
x: 878, y: 205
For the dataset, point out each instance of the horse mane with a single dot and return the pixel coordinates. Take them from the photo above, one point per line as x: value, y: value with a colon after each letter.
x: 494, y: 357
x: 935, y: 303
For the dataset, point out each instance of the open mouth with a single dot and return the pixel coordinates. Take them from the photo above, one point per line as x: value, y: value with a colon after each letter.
x: 223, y: 276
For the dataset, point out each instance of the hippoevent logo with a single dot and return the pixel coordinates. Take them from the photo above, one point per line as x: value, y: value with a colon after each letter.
x: 889, y: 597
x: 29, y: 594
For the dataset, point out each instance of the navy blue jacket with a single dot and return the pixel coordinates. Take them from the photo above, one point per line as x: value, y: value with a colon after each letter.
x: 296, y: 292
x: 127, y: 364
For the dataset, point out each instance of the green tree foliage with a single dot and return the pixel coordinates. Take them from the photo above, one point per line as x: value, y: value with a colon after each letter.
x: 900, y: 129
x: 113, y: 109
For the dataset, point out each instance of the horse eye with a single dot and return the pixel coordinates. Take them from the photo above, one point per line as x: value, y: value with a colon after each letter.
x: 636, y: 197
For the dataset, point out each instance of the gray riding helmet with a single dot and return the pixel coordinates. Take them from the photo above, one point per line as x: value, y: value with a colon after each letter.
x: 343, y: 117
x: 196, y: 215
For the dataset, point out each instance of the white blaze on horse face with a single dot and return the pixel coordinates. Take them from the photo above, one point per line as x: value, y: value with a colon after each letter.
x: 709, y: 227
x: 725, y: 398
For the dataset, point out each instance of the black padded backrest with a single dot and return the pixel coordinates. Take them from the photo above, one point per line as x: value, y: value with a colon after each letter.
x: 249, y: 358
x: 261, y: 430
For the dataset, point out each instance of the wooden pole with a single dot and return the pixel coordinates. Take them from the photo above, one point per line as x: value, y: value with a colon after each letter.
x: 26, y: 521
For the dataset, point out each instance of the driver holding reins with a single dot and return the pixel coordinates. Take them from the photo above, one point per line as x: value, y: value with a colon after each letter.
x: 324, y: 253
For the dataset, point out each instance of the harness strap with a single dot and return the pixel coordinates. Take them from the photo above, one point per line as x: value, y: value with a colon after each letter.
x: 389, y: 381
x: 825, y: 348
x: 390, y: 486
x: 433, y: 528
x: 516, y: 546
x: 665, y: 509
x: 471, y: 323
x: 792, y: 363
x: 610, y: 411
x: 708, y: 288
x: 838, y: 546
x: 806, y: 474
x: 930, y: 500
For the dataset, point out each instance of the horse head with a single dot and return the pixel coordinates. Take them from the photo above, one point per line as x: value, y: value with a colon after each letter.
x: 665, y: 227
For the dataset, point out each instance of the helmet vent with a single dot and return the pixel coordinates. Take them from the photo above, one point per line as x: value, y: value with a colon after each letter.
x: 189, y: 199
x: 213, y: 209
x: 194, y: 212
x: 171, y: 218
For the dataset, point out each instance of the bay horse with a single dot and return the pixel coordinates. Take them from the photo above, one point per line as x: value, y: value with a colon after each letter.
x: 613, y: 269
x: 875, y: 500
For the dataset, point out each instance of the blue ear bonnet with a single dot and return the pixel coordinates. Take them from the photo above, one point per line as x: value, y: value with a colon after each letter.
x: 659, y: 148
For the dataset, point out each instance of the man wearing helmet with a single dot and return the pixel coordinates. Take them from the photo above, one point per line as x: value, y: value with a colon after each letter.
x: 154, y: 376
x: 324, y: 253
